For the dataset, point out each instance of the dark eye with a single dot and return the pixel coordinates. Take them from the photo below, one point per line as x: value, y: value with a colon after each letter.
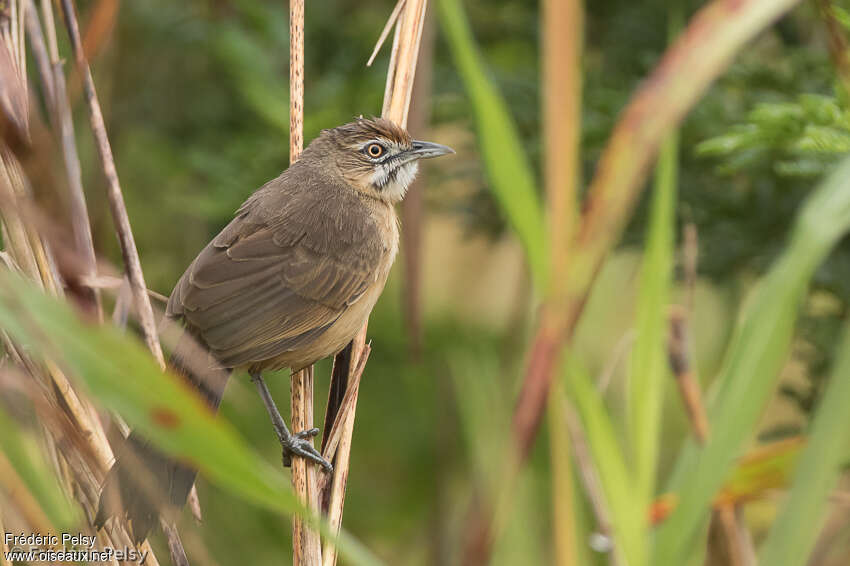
x: 375, y: 150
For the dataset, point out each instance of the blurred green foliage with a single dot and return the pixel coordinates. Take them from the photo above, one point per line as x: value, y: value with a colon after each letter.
x: 196, y: 99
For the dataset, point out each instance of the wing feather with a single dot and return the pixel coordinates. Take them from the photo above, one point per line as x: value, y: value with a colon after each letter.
x: 271, y: 284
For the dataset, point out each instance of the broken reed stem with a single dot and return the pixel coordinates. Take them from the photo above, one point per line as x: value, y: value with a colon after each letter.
x: 129, y: 252
x: 413, y: 205
x: 397, y: 94
x: 306, y: 544
x: 338, y: 447
x: 53, y: 77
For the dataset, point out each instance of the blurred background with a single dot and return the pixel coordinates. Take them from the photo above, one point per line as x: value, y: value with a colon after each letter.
x: 195, y: 97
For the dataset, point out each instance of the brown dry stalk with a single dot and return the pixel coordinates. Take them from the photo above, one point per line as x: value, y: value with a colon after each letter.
x: 83, y: 471
x: 79, y: 465
x: 334, y: 491
x: 413, y: 205
x: 53, y: 77
x: 129, y: 252
x: 306, y: 544
x: 397, y: 95
x: 680, y: 365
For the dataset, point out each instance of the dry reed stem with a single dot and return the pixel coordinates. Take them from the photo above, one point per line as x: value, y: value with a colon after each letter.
x: 397, y: 94
x: 80, y: 468
x: 306, y: 544
x: 563, y: 498
x: 349, y: 400
x: 116, y: 199
x: 129, y: 253
x: 403, y: 61
x: 384, y: 32
x: 343, y: 429
x: 39, y: 50
x: 413, y: 205
x: 563, y: 27
x: 678, y: 354
x: 86, y: 473
x: 62, y: 121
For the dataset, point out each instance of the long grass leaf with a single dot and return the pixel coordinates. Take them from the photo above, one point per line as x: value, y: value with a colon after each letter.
x: 794, y: 533
x: 627, y: 516
x: 18, y: 446
x: 758, y: 349
x: 508, y: 170
x: 122, y: 375
x: 649, y: 370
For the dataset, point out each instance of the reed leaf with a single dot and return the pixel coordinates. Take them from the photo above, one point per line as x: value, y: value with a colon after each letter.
x: 796, y: 529
x: 649, y: 369
x: 122, y: 375
x: 23, y: 454
x: 626, y: 514
x: 506, y: 164
x: 758, y: 349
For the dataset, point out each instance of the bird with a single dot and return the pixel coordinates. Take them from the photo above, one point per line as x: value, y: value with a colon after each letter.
x: 289, y: 281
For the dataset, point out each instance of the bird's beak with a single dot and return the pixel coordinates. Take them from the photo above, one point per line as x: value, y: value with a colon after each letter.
x: 427, y: 150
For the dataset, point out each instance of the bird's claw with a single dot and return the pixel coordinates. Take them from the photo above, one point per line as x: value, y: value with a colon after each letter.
x: 300, y: 444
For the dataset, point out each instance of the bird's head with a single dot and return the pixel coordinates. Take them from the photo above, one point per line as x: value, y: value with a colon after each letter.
x: 376, y: 156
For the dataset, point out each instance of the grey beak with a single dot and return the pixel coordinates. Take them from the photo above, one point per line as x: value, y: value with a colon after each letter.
x: 427, y: 150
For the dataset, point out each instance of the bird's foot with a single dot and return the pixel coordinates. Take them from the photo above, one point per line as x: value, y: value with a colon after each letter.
x: 300, y: 444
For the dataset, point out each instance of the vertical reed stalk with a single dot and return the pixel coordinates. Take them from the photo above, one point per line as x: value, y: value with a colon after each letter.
x: 397, y: 95
x: 129, y: 253
x: 62, y: 122
x: 79, y: 465
x: 306, y: 545
x: 412, y: 207
x: 116, y: 198
x: 563, y: 28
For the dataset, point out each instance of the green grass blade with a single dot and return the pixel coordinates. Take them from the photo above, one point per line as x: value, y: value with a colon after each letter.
x: 649, y: 371
x: 566, y: 520
x: 757, y: 351
x: 506, y: 163
x: 627, y: 516
x: 123, y: 376
x: 795, y: 531
x: 21, y: 450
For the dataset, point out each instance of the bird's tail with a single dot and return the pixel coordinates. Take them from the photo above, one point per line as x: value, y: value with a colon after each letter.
x: 143, y: 482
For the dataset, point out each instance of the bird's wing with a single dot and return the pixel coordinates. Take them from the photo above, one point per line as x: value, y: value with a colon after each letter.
x: 265, y: 287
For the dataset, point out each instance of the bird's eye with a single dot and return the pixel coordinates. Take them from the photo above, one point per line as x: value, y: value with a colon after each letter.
x: 375, y: 150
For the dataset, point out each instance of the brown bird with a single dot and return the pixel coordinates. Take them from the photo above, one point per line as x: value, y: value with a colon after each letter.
x: 288, y: 282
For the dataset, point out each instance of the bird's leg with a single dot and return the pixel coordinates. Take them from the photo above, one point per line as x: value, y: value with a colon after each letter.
x: 298, y: 444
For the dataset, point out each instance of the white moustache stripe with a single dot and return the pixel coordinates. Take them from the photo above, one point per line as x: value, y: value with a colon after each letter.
x: 393, y: 183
